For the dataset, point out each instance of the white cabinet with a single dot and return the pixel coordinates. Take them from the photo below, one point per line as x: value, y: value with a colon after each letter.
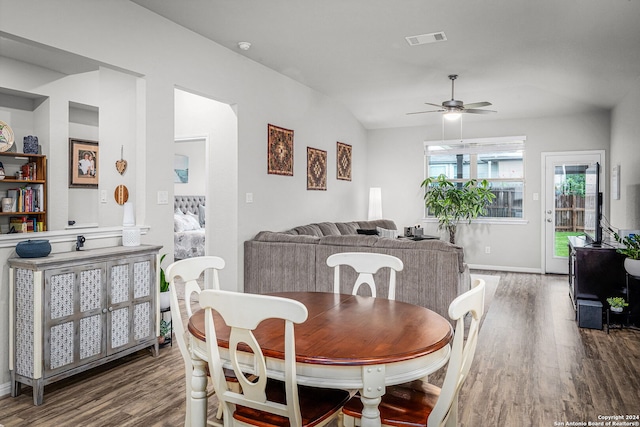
x: 74, y: 311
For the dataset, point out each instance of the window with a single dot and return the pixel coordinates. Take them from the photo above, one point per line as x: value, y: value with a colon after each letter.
x: 498, y: 160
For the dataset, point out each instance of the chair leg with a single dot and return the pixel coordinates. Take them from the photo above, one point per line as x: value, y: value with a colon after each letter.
x: 347, y: 421
x: 187, y: 416
x: 452, y: 420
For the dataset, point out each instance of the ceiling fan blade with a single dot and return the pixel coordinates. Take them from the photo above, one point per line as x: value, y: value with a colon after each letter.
x: 431, y: 111
x: 476, y: 111
x: 477, y: 104
x: 435, y: 105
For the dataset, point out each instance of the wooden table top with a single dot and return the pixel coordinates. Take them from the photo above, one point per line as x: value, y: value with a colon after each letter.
x: 347, y: 330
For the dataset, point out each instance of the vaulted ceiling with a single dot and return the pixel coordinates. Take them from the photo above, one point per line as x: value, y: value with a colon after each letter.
x: 528, y: 58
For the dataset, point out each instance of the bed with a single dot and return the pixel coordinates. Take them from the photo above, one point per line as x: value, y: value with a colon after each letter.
x: 188, y: 226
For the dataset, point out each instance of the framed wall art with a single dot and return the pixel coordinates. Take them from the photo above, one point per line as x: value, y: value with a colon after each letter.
x: 279, y: 151
x: 343, y: 167
x: 316, y: 169
x: 83, y: 163
x: 180, y: 169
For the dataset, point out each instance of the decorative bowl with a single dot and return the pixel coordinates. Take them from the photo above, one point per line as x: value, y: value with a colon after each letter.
x: 33, y: 248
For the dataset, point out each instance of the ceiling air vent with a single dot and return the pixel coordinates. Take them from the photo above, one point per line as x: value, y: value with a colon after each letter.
x: 426, y: 38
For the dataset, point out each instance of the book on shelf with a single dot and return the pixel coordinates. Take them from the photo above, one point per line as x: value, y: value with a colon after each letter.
x: 27, y: 199
x: 24, y: 224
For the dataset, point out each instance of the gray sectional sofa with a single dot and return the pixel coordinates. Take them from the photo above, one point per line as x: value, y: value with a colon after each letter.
x: 295, y: 260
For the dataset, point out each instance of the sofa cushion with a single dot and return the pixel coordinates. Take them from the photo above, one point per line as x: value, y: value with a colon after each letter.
x: 347, y: 227
x: 426, y: 245
x: 328, y: 228
x: 349, y: 240
x: 383, y: 223
x: 270, y: 236
x: 308, y: 230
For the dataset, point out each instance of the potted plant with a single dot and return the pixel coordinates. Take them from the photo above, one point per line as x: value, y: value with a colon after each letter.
x: 451, y: 202
x: 632, y: 251
x: 617, y: 304
x: 165, y: 300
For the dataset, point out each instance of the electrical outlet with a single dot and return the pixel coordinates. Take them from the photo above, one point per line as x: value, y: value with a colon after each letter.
x: 487, y: 249
x: 103, y: 196
x: 249, y: 198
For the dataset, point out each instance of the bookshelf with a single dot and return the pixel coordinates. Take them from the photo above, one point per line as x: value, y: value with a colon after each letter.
x: 29, y: 208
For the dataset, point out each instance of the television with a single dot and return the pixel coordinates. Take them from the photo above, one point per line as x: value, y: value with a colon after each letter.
x: 593, y: 205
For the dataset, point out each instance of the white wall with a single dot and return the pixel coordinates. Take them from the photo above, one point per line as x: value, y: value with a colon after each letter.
x: 396, y: 163
x: 625, y: 152
x: 168, y: 56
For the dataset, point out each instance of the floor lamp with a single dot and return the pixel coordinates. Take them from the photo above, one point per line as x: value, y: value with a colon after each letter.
x: 375, y: 203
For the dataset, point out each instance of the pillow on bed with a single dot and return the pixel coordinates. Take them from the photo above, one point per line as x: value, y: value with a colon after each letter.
x: 194, y: 220
x: 184, y: 223
x: 201, y: 215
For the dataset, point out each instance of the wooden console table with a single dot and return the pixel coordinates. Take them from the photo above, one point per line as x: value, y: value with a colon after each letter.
x: 73, y: 311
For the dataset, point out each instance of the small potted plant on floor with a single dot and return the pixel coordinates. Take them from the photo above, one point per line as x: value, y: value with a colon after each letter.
x: 617, y: 304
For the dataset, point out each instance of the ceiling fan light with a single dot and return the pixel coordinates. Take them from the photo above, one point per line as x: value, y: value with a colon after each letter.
x: 451, y: 116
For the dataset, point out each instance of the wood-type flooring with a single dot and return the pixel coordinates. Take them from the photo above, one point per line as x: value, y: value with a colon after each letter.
x: 533, y: 367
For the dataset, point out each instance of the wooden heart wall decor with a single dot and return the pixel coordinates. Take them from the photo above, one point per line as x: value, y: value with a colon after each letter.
x: 121, y: 165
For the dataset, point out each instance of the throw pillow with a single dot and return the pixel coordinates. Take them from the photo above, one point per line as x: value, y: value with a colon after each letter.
x: 184, y: 223
x: 383, y: 232
x: 193, y: 221
x: 201, y: 215
x: 368, y: 232
x: 179, y: 223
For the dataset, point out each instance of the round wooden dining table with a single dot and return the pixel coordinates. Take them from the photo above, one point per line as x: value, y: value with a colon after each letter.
x: 347, y: 342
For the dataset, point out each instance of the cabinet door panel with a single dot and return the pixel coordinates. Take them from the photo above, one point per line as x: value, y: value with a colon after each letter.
x: 119, y: 283
x: 142, y: 321
x: 61, y: 345
x: 142, y: 279
x: 91, y: 290
x: 91, y: 336
x: 120, y: 334
x: 74, y: 319
x: 61, y: 291
x: 131, y: 302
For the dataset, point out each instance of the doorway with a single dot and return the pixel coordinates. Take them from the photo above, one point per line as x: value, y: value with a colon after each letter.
x: 564, y: 185
x: 206, y: 131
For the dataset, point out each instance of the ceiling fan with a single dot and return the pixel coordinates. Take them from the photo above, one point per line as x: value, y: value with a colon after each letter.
x: 453, y: 108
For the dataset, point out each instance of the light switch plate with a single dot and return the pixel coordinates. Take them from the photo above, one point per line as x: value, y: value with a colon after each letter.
x: 163, y: 197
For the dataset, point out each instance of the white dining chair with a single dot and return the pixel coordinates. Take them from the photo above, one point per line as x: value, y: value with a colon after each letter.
x: 189, y: 270
x: 366, y: 264
x: 263, y: 401
x: 409, y: 406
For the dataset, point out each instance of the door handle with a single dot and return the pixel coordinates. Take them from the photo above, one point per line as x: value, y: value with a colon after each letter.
x: 549, y: 211
x: 549, y: 220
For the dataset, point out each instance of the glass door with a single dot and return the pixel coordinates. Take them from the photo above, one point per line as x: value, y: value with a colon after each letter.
x: 564, y: 204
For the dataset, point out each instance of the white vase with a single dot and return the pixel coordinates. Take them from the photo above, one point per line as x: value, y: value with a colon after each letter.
x: 617, y: 309
x: 165, y: 300
x: 632, y: 266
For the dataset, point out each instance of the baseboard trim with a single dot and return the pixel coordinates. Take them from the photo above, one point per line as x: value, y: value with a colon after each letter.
x: 505, y: 268
x: 5, y: 389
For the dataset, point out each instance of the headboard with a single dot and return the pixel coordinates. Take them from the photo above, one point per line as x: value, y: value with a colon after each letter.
x: 188, y: 203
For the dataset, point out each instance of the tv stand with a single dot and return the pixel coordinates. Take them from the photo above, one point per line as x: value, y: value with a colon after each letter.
x: 595, y: 272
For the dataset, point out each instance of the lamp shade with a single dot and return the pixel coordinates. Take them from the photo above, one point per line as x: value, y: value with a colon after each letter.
x: 128, y: 218
x: 375, y: 203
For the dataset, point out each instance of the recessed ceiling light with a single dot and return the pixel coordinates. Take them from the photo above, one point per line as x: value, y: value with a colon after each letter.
x: 426, y: 38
